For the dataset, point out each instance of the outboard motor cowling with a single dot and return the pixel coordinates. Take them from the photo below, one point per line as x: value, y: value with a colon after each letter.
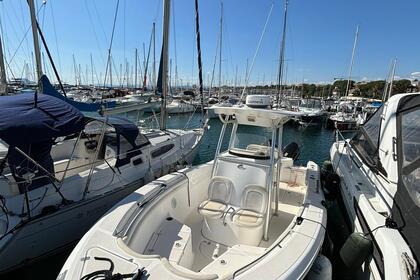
x: 291, y: 150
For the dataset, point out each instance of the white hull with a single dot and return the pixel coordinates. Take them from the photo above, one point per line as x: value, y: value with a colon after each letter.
x: 248, y: 214
x: 358, y: 191
x: 179, y: 108
x: 56, y: 232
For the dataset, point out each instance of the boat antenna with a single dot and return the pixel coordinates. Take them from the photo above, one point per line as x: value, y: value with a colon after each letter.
x: 200, y: 66
x: 281, y: 56
x: 352, y: 60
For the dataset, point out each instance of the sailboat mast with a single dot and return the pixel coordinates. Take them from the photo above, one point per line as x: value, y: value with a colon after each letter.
x: 200, y: 66
x: 35, y: 38
x: 91, y: 68
x: 352, y: 59
x: 75, y: 71
x: 391, y: 83
x: 236, y: 79
x: 220, y: 48
x: 154, y: 55
x: 3, y: 81
x: 281, y: 58
x: 110, y: 67
x: 135, y: 69
x: 165, y: 48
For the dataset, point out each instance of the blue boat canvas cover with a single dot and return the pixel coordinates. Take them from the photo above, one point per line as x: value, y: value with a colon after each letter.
x: 48, y: 89
x: 31, y: 122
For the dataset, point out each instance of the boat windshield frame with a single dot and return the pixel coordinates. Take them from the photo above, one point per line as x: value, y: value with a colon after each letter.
x: 406, y: 207
x: 239, y: 144
x: 370, y: 158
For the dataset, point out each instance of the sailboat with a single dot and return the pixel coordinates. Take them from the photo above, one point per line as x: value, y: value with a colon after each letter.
x: 222, y: 101
x: 54, y: 190
x: 63, y: 170
x: 345, y: 119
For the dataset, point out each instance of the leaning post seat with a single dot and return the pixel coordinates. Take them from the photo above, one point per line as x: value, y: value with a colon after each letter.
x: 214, y: 209
x: 247, y: 222
x: 219, y: 195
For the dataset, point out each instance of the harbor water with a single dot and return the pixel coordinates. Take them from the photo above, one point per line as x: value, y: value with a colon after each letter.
x: 314, y: 142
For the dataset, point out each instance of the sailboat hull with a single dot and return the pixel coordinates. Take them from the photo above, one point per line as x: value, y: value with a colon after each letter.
x: 58, y: 231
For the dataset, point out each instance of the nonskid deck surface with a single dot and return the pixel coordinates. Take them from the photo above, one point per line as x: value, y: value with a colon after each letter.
x: 184, y: 244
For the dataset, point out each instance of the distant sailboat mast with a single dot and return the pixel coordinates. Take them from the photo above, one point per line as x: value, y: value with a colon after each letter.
x: 200, y: 66
x: 220, y: 49
x: 352, y: 60
x: 281, y: 57
x: 135, y: 68
x: 164, y: 61
x: 3, y: 81
x: 36, y: 40
x: 154, y: 56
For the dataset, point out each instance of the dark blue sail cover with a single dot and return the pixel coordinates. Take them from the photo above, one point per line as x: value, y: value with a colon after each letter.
x: 31, y: 124
x: 48, y: 89
x: 21, y: 122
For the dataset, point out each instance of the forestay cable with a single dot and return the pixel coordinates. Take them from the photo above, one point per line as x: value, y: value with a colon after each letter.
x: 256, y: 52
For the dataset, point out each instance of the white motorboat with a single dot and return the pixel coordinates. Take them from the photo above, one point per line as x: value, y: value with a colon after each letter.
x: 312, y: 112
x: 179, y: 106
x: 343, y: 121
x: 379, y: 170
x: 52, y: 193
x: 248, y: 214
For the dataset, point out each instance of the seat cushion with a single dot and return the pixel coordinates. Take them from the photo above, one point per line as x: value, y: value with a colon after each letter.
x: 212, y: 209
x: 247, y: 218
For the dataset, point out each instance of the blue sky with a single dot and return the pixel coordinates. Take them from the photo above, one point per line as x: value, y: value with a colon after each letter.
x: 319, y: 36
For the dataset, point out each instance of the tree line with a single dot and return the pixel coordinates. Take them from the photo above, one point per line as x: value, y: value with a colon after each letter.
x: 372, y: 89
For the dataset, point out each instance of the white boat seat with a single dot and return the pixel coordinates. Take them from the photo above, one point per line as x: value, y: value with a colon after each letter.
x: 260, y: 149
x: 247, y: 218
x: 248, y: 221
x: 253, y: 207
x: 219, y: 194
x: 212, y: 208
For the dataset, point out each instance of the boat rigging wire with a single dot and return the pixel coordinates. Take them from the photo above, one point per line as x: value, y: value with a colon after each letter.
x: 94, y: 32
x: 256, y: 52
x: 55, y: 36
x: 20, y: 43
x: 109, y: 61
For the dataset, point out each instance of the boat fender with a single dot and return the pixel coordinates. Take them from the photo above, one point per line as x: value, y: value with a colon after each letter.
x: 321, y: 269
x: 331, y: 186
x: 149, y: 176
x: 3, y: 227
x: 328, y: 246
x: 356, y: 250
x: 49, y: 209
x: 326, y: 169
x: 291, y: 150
